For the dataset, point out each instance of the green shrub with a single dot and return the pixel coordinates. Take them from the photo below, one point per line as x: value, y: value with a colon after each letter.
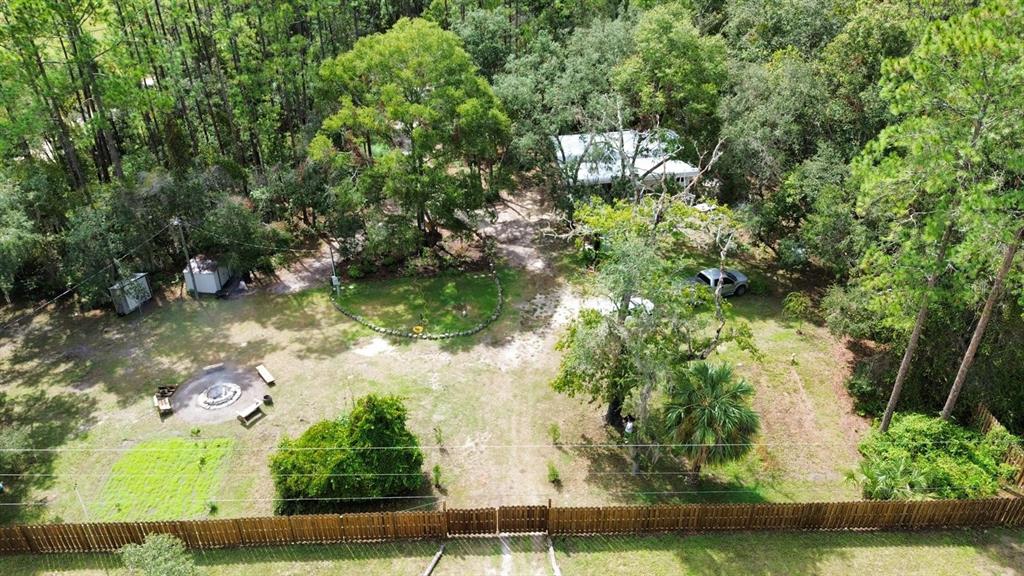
x: 798, y: 306
x: 757, y: 285
x: 868, y: 399
x: 555, y: 433
x: 895, y: 479
x: 553, y: 475
x: 312, y: 474
x: 953, y: 462
x: 437, y: 475
x: 159, y: 555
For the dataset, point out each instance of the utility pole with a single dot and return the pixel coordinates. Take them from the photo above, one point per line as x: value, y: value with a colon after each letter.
x: 334, y: 270
x: 188, y: 261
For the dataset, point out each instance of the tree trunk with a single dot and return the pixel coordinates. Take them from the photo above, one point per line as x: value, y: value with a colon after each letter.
x: 613, y: 417
x: 979, y: 330
x: 915, y: 335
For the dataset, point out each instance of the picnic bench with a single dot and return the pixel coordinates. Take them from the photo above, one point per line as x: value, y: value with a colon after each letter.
x: 250, y: 414
x: 265, y: 374
x: 162, y: 399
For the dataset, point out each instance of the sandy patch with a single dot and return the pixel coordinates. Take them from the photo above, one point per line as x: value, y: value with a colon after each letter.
x: 376, y: 347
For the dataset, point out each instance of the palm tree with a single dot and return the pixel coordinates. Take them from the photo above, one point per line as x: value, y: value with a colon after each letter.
x: 891, y: 479
x: 709, y: 412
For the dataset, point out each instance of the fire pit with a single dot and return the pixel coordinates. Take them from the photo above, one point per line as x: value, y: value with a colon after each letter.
x: 219, y: 395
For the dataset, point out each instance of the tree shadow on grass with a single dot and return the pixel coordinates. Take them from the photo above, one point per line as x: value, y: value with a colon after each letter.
x: 668, y: 481
x: 168, y: 341
x: 377, y: 559
x: 766, y: 553
x: 48, y: 421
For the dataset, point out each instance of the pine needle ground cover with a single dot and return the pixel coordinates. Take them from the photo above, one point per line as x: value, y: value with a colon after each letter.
x: 172, y: 478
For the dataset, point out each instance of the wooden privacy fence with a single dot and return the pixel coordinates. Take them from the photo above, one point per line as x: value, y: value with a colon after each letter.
x: 985, y: 421
x: 382, y: 526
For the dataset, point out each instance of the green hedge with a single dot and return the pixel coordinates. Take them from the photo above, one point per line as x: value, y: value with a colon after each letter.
x: 333, y: 465
x: 923, y: 456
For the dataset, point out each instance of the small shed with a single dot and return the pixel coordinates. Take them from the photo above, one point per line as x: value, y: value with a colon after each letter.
x: 210, y: 276
x: 130, y: 293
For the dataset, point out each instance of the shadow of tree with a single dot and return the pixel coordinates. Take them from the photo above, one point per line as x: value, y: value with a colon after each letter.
x: 667, y: 481
x: 48, y: 421
x: 766, y: 553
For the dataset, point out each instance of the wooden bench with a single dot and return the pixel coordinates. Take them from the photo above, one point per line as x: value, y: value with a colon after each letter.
x: 162, y: 399
x: 265, y: 374
x: 250, y: 414
x: 162, y: 404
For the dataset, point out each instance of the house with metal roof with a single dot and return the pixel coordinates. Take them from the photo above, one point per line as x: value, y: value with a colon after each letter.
x: 603, y: 158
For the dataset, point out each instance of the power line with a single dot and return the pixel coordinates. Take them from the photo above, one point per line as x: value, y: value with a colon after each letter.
x: 443, y: 448
x: 818, y: 489
x: 266, y: 247
x: 74, y: 287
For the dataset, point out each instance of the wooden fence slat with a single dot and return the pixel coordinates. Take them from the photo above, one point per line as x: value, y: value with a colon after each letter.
x: 377, y: 526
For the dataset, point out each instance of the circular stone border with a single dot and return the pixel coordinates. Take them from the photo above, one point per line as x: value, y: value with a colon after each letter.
x: 431, y: 335
x: 234, y: 393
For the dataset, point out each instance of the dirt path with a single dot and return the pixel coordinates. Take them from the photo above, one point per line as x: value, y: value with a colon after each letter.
x: 311, y: 270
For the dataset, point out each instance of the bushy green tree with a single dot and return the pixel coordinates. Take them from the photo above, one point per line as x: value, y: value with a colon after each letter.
x: 18, y: 238
x: 425, y: 127
x: 556, y: 87
x: 657, y: 320
x: 159, y: 555
x: 335, y: 460
x: 233, y: 235
x: 675, y: 75
x: 489, y: 36
x: 759, y: 28
x: 772, y: 120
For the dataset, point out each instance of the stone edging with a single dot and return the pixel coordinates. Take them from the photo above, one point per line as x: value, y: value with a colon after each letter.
x: 429, y: 335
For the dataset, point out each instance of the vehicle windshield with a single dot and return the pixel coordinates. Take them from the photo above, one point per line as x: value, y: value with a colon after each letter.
x: 704, y: 278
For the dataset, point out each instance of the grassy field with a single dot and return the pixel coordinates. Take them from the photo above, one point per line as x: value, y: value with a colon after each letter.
x: 164, y: 479
x: 960, y: 553
x: 926, y: 554
x: 445, y: 303
x: 84, y: 385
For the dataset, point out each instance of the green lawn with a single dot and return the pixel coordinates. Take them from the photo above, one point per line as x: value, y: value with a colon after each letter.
x: 164, y: 479
x: 961, y: 553
x: 955, y: 553
x: 445, y: 303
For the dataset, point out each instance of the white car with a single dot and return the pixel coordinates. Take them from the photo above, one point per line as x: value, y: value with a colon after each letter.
x: 734, y: 283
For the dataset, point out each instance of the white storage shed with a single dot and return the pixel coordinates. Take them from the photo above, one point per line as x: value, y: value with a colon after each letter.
x: 130, y: 293
x: 209, y: 275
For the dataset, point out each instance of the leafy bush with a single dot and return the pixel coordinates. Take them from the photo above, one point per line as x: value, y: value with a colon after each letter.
x: 159, y: 555
x: 555, y: 433
x: 798, y: 306
x: 388, y: 241
x: 868, y: 397
x: 553, y: 475
x: 953, y: 462
x: 892, y: 480
x: 316, y: 466
x: 438, y: 476
x: 757, y: 285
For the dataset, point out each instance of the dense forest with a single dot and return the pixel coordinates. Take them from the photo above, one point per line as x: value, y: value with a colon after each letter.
x: 874, y: 149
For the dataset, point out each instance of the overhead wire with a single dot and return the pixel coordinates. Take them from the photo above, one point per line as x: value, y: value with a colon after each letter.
x: 75, y: 286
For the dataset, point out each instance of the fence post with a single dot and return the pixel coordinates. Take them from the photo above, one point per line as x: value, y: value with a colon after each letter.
x: 547, y: 520
x: 444, y: 518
